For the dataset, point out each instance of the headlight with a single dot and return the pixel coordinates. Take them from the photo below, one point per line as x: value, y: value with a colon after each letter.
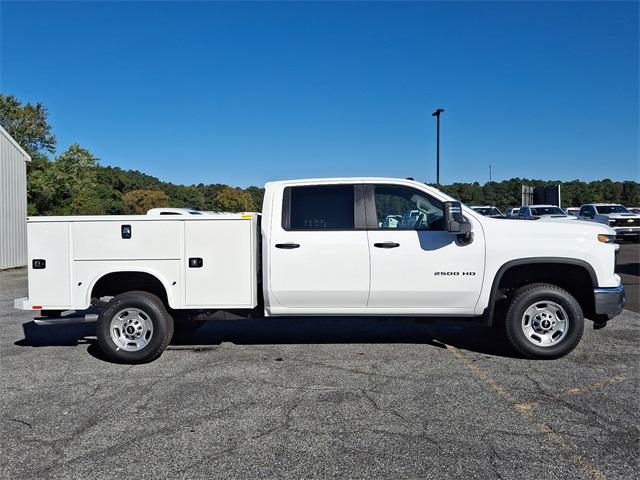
x: 605, y: 238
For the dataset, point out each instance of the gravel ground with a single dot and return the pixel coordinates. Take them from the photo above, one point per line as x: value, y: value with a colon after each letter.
x: 316, y: 398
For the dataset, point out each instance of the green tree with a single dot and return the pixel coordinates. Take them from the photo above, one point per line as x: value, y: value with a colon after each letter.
x: 257, y: 195
x: 74, y: 174
x: 28, y: 125
x: 234, y: 200
x: 139, y: 201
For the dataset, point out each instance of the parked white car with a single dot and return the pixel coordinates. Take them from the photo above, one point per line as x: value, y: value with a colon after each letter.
x: 625, y: 223
x: 543, y: 211
x: 173, y: 211
x: 325, y: 247
x: 488, y: 211
x: 572, y: 211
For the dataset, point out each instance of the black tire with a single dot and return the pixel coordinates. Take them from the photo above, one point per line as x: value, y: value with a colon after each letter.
x: 154, y: 310
x: 530, y: 295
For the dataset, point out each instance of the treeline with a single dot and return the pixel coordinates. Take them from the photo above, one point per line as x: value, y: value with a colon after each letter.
x: 508, y: 193
x: 74, y: 183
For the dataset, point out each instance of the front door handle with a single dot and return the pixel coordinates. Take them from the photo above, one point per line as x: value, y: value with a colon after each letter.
x: 386, y: 245
x: 288, y: 245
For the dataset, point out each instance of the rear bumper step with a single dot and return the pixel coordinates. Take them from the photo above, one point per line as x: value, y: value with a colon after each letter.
x: 67, y: 319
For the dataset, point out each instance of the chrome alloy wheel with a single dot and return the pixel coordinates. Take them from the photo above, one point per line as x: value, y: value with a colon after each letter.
x: 545, y: 323
x: 131, y: 329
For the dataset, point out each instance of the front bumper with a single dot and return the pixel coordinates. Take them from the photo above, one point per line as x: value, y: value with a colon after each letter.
x: 627, y: 231
x: 609, y: 301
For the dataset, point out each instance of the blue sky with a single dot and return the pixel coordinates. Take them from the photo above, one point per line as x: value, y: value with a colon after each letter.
x: 242, y: 93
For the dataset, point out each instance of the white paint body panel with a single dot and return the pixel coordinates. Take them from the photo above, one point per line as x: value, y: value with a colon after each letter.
x: 228, y: 275
x: 429, y: 270
x: 51, y: 285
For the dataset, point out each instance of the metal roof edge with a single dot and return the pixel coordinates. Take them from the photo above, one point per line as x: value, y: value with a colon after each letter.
x: 14, y: 143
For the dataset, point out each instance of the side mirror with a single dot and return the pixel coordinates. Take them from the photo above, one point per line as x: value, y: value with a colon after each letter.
x: 454, y: 221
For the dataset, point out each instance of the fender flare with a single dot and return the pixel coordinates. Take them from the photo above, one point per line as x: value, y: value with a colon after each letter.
x: 149, y: 271
x: 489, y: 310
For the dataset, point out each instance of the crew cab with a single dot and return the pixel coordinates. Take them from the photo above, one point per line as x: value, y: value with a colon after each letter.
x: 626, y: 224
x: 325, y: 247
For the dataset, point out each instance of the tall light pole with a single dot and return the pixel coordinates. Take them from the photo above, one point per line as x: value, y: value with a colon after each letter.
x: 437, y: 115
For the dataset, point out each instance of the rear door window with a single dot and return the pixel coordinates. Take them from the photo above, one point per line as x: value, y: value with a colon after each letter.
x: 318, y: 207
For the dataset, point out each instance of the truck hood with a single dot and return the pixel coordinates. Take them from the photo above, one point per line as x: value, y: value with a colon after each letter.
x: 568, y: 217
x: 567, y: 227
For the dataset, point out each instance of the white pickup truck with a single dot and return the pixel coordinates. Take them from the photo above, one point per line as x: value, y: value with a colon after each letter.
x: 325, y: 247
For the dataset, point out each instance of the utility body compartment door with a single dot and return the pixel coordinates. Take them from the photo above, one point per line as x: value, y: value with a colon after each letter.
x: 49, y: 286
x: 220, y: 263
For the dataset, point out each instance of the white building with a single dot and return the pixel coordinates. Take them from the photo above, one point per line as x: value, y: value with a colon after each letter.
x: 13, y: 202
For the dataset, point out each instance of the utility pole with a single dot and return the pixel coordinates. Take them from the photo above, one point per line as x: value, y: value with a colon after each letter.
x: 489, y: 172
x: 437, y: 115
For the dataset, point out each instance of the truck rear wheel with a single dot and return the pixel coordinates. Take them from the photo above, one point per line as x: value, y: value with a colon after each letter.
x: 134, y: 327
x: 544, y: 321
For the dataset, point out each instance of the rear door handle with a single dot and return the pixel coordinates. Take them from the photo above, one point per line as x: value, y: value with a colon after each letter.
x: 386, y: 245
x: 288, y: 245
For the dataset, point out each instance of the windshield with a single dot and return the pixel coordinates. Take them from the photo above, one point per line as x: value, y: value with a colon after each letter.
x: 606, y: 209
x: 487, y: 211
x: 546, y: 211
x: 482, y: 211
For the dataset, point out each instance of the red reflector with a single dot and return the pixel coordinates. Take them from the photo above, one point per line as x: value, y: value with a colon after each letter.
x: 37, y: 307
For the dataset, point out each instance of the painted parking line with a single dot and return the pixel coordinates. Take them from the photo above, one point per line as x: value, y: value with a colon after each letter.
x: 573, y: 392
x: 585, y: 465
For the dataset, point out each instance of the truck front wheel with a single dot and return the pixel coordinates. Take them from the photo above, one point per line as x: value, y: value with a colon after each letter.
x: 544, y: 321
x: 134, y: 327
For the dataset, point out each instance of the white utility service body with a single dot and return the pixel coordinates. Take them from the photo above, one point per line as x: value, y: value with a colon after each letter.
x: 79, y: 251
x: 323, y: 247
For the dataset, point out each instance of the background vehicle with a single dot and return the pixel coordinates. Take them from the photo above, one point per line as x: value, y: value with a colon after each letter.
x: 512, y: 212
x: 489, y: 211
x: 625, y: 223
x: 173, y: 211
x: 572, y: 211
x: 542, y: 211
x: 325, y: 247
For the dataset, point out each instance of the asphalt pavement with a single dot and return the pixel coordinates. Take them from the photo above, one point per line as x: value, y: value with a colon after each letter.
x: 316, y: 398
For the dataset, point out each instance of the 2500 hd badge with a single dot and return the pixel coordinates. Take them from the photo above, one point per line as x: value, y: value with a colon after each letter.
x: 454, y: 274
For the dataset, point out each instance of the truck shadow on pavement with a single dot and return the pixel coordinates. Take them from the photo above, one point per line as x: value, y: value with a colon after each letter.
x: 466, y: 334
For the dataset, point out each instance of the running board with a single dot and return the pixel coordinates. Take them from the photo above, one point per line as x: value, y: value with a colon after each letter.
x: 66, y: 320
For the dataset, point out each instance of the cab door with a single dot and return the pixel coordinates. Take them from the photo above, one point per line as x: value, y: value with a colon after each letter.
x: 318, y: 250
x: 415, y: 263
